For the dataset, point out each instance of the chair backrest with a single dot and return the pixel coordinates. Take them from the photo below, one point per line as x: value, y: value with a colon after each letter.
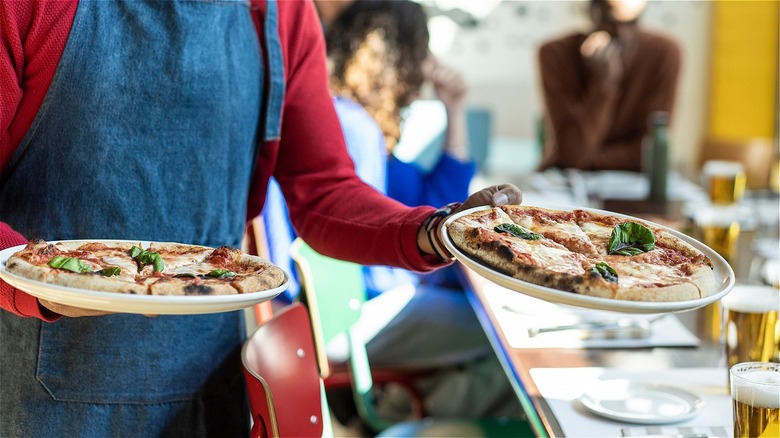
x: 255, y: 242
x: 282, y: 378
x: 334, y: 291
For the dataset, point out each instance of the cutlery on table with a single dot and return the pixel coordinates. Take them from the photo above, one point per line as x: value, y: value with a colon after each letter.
x: 619, y: 328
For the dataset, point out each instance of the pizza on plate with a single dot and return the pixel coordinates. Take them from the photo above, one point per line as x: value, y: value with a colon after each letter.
x: 159, y: 269
x: 585, y: 252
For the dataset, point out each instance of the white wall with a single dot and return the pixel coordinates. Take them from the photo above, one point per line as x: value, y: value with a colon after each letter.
x: 498, y: 58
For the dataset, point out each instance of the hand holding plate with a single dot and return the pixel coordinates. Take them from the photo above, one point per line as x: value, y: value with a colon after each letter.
x: 70, y: 311
x: 502, y: 194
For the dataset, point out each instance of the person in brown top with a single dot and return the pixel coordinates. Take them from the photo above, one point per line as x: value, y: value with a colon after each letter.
x: 600, y: 89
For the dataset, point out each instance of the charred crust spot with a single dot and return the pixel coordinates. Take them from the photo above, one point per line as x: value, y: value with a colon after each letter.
x: 11, y: 264
x: 198, y: 289
x: 505, y: 253
x: 568, y: 283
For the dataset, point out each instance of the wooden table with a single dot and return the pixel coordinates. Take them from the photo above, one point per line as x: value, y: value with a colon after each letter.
x: 517, y: 363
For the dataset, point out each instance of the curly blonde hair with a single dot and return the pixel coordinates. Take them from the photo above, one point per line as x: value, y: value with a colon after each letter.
x: 376, y: 49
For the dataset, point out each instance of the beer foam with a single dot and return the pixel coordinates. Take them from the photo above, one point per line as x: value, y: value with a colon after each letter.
x: 722, y: 168
x: 752, y: 299
x: 759, y: 388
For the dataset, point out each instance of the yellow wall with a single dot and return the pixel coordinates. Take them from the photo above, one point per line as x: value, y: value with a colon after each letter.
x: 744, y: 73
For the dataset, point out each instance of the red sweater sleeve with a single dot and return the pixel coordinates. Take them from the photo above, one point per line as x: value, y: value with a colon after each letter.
x: 13, y: 299
x: 330, y: 207
x: 33, y: 36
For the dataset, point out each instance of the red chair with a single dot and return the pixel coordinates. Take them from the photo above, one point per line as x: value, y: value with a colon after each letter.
x: 286, y: 395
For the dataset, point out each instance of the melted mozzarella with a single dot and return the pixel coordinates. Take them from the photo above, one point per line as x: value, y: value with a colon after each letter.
x: 644, y: 274
x: 549, y: 255
x: 194, y: 269
x: 174, y: 261
x: 124, y: 263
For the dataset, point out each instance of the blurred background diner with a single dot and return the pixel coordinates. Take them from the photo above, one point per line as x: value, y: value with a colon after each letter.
x: 727, y: 87
x: 722, y: 111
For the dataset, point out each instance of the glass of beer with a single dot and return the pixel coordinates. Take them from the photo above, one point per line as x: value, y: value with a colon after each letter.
x: 718, y: 228
x: 724, y: 180
x: 751, y: 324
x: 755, y: 396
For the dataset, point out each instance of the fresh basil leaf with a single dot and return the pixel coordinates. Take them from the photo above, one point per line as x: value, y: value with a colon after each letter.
x: 110, y: 271
x: 57, y: 261
x: 517, y: 231
x: 69, y: 264
x: 157, y: 261
x: 144, y: 257
x: 630, y: 238
x: 135, y: 251
x: 221, y: 273
x: 605, y: 271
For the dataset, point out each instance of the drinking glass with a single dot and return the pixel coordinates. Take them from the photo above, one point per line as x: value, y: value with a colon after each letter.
x: 724, y: 181
x: 717, y: 227
x: 755, y: 395
x: 752, y: 328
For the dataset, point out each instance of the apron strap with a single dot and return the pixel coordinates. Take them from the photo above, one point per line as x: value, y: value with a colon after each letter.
x: 272, y: 123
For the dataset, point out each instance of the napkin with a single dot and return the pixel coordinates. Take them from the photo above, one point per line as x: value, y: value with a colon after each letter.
x: 517, y: 313
x: 562, y: 387
x: 708, y: 431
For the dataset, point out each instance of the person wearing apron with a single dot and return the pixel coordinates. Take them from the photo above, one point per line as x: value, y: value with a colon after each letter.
x: 163, y: 121
x: 155, y: 159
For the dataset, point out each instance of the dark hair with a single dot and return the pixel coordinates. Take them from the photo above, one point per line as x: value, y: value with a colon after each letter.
x: 376, y: 49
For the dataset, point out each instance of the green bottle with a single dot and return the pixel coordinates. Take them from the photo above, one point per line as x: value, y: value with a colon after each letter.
x: 656, y: 155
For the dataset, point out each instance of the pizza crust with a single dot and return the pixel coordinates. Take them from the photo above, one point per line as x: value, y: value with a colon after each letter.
x: 181, y: 287
x: 675, y: 292
x: 25, y: 269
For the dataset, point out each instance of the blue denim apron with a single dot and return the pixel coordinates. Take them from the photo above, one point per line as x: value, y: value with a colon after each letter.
x: 148, y: 132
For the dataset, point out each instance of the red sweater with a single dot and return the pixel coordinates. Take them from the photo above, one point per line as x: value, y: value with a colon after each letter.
x: 332, y: 209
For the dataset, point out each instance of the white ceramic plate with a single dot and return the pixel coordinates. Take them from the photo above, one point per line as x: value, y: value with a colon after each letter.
x: 642, y: 403
x: 129, y: 303
x: 724, y: 276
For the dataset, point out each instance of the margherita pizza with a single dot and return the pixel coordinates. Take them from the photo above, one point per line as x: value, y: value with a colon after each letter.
x: 160, y: 269
x: 585, y: 252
